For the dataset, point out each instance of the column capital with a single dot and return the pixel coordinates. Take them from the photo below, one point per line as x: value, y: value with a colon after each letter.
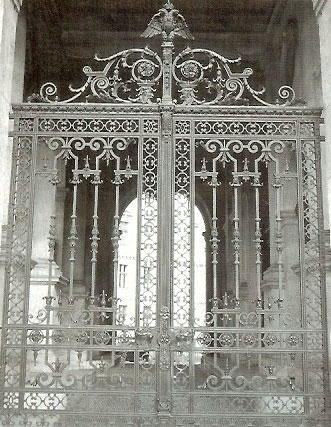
x: 318, y: 6
x: 17, y: 4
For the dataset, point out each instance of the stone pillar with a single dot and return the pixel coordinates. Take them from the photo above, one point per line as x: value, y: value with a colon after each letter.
x: 44, y: 209
x: 61, y: 195
x: 19, y: 60
x: 291, y: 263
x: 48, y: 222
x: 323, y: 12
x: 82, y: 281
x: 289, y: 236
x: 270, y: 287
x: 12, y: 51
x: 8, y: 23
x: 248, y: 277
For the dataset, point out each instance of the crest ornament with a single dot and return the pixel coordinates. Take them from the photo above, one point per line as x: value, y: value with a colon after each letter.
x: 169, y: 23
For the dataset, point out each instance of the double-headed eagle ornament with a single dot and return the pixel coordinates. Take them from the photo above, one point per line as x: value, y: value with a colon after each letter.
x: 168, y: 22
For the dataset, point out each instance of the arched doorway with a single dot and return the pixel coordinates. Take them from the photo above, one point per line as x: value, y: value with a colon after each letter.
x: 127, y: 264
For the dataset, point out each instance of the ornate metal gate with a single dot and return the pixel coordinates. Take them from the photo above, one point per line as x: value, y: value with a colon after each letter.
x: 170, y: 135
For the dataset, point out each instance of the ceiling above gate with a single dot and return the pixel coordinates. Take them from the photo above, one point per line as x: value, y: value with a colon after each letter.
x: 101, y: 15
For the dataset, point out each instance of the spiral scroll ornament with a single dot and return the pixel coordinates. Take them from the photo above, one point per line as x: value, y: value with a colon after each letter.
x: 129, y: 76
x: 200, y: 76
x: 205, y: 77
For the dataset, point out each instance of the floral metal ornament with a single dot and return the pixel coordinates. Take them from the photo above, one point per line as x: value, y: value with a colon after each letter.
x: 168, y: 22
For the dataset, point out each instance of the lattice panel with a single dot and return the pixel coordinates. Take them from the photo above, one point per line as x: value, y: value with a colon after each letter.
x: 148, y: 245
x: 18, y: 272
x: 311, y: 219
x: 20, y: 239
x: 316, y: 374
x: 182, y: 234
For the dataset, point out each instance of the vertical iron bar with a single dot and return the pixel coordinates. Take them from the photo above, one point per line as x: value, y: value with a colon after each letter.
x: 115, y: 239
x: 165, y: 222
x: 258, y: 240
x: 94, y: 238
x: 26, y: 282
x: 73, y: 239
x: 214, y: 232
x: 51, y: 249
x: 300, y: 168
x: 139, y: 230
x: 236, y: 242
x: 279, y: 234
x: 192, y: 232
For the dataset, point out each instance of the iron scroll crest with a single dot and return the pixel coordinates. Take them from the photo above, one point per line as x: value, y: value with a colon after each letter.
x: 198, y: 76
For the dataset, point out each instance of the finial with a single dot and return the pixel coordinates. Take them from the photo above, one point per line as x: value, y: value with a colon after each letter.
x: 169, y: 5
x: 169, y: 23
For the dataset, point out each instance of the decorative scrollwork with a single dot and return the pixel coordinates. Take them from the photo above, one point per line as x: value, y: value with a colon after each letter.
x: 205, y: 77
x: 129, y: 76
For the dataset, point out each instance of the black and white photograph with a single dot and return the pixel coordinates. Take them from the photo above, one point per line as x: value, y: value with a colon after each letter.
x: 165, y: 213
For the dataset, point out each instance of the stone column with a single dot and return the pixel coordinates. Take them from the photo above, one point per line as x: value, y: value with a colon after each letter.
x: 289, y: 237
x: 44, y: 209
x: 270, y: 285
x: 291, y: 263
x: 11, y: 54
x: 323, y: 12
x: 61, y: 195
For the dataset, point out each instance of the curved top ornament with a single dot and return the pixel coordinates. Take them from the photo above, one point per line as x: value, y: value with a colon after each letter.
x: 192, y: 77
x: 169, y: 23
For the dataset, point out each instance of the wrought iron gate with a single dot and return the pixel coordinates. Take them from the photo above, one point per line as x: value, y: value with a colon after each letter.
x: 72, y: 353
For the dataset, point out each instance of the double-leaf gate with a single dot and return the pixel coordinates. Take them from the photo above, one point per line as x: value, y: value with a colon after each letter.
x: 97, y: 333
